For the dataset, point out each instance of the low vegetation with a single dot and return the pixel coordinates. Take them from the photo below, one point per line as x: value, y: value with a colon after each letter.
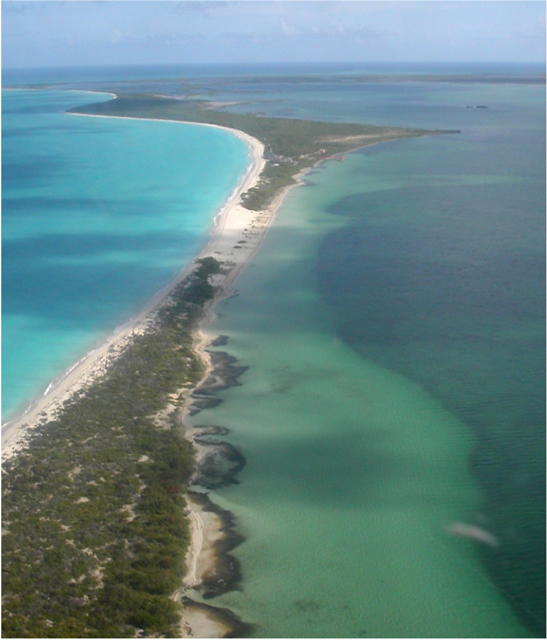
x: 94, y: 530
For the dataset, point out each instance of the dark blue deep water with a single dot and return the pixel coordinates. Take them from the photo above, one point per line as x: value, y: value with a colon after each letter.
x: 437, y: 272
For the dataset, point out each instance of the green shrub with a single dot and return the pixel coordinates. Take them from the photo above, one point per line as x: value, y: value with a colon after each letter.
x: 73, y: 568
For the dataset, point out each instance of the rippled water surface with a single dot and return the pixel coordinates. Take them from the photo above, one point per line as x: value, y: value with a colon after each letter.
x: 392, y: 325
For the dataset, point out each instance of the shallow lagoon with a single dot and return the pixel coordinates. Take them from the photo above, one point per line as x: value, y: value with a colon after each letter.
x: 352, y: 471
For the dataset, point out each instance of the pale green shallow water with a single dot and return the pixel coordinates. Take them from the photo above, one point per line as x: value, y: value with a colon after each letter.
x: 352, y: 470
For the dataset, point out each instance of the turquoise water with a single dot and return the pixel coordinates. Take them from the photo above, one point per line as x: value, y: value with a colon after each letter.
x: 393, y: 326
x: 98, y: 215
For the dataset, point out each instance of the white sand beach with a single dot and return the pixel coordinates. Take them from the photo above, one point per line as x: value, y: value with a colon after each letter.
x: 230, y: 224
x: 236, y: 235
x: 234, y: 225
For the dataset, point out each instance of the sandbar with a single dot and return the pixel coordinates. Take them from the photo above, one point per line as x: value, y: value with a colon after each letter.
x: 236, y: 235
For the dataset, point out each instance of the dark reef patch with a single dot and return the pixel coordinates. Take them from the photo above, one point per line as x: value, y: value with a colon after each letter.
x: 203, y: 403
x: 206, y: 431
x: 219, y: 466
x: 224, y: 375
x: 227, y: 575
x: 220, y: 341
x: 238, y: 628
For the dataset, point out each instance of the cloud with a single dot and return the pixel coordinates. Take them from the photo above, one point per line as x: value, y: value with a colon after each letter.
x: 257, y: 30
x: 17, y: 8
x: 339, y: 30
x: 116, y: 36
x: 534, y: 29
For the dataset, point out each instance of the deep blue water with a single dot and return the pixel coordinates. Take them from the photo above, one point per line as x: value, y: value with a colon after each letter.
x: 49, y: 75
x: 435, y: 270
x: 445, y: 283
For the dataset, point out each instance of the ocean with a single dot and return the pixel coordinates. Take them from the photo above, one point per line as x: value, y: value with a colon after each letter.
x: 98, y: 215
x: 393, y: 328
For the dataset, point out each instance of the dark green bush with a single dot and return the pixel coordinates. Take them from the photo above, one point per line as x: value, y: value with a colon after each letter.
x: 73, y: 568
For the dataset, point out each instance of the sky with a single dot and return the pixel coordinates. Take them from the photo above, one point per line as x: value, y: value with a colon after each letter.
x: 84, y: 32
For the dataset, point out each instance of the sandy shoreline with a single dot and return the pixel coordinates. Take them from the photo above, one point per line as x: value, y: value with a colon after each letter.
x: 236, y: 236
x: 207, y: 528
x: 230, y: 223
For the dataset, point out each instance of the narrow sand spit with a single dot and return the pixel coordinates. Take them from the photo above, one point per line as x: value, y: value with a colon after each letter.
x: 234, y: 226
x: 236, y: 236
x: 206, y: 527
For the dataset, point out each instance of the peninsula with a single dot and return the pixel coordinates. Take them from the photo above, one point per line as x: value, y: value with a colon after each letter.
x: 291, y: 145
x: 98, y: 533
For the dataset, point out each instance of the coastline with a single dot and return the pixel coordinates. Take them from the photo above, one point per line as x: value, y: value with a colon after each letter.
x: 199, y: 621
x: 229, y: 221
x: 236, y: 236
x: 209, y: 529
